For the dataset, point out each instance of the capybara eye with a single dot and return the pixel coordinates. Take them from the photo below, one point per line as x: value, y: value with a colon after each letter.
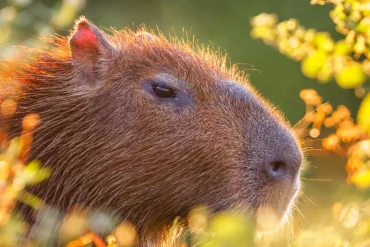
x: 163, y: 92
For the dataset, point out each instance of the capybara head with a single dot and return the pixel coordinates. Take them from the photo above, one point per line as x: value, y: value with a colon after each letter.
x: 150, y: 128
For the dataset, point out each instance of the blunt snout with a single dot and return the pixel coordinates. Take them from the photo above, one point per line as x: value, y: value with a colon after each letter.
x: 284, y: 163
x: 267, y: 135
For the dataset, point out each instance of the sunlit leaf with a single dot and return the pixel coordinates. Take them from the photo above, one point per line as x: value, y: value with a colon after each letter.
x: 324, y: 42
x: 364, y: 25
x: 33, y: 173
x: 342, y: 48
x: 30, y: 200
x: 362, y: 178
x: 363, y: 114
x: 230, y: 230
x: 13, y: 150
x: 312, y: 64
x: 351, y: 76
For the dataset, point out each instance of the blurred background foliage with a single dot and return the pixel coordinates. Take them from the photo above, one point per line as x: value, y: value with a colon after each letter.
x: 332, y: 205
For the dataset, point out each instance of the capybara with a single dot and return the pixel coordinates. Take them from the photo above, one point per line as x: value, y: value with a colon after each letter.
x: 148, y: 128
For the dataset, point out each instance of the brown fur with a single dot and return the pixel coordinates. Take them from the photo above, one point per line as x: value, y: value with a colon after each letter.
x: 113, y: 146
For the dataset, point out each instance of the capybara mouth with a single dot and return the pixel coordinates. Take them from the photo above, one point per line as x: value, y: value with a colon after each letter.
x: 274, y: 215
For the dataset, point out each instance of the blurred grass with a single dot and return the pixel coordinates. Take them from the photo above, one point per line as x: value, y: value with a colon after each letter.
x: 22, y: 21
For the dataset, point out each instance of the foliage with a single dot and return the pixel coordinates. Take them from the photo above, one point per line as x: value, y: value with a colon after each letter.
x: 31, y: 15
x: 347, y: 62
x: 15, y: 175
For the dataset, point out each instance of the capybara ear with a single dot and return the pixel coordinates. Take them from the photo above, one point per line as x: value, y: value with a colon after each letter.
x: 88, y: 44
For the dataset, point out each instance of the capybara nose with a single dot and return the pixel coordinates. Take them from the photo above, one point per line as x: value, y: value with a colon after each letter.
x: 275, y: 169
x: 286, y: 168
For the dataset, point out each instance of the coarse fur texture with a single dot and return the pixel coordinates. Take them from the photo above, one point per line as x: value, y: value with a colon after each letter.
x: 114, y: 145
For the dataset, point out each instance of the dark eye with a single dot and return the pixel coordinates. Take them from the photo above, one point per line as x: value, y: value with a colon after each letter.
x: 163, y: 92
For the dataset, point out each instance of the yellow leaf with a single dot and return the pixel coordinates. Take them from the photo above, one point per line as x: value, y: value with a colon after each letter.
x: 324, y: 42
x: 363, y: 114
x: 361, y: 178
x: 312, y: 64
x: 351, y: 76
x: 342, y: 48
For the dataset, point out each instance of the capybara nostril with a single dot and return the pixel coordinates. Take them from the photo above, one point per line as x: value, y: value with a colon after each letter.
x: 276, y: 169
x: 286, y: 168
